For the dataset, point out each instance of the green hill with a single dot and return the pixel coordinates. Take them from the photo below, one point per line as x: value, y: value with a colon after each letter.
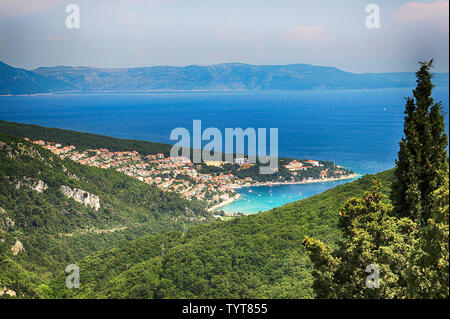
x: 130, y: 243
x: 81, y: 140
x: 256, y: 256
x: 54, y: 212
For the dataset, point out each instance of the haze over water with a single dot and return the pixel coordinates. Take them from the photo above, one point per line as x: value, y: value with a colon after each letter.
x: 359, y: 129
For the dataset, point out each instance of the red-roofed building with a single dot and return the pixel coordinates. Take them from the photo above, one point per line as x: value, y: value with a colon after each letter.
x: 312, y: 162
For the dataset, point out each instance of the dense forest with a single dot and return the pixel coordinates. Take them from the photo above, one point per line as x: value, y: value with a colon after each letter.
x: 54, y: 229
x: 253, y: 256
x: 81, y: 140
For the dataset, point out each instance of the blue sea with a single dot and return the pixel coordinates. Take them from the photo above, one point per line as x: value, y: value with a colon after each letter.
x: 359, y: 129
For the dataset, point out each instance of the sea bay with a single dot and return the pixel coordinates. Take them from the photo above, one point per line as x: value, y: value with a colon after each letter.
x: 358, y: 129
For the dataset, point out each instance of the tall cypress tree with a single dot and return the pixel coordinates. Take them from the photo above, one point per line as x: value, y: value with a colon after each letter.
x: 422, y: 162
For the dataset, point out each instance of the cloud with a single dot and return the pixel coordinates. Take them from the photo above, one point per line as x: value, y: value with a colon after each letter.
x: 435, y: 13
x: 312, y: 33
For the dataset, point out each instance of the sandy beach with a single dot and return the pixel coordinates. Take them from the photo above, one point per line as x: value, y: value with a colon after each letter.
x: 224, y: 203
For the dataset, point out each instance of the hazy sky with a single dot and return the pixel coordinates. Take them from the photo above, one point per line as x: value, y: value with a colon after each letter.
x: 129, y: 33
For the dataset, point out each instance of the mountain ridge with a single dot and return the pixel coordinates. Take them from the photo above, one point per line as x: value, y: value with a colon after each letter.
x: 216, y: 77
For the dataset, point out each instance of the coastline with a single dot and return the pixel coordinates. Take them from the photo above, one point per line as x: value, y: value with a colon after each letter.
x: 351, y: 176
x: 224, y: 203
x: 237, y: 196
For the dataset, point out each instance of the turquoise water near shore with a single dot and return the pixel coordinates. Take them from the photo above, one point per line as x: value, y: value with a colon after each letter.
x: 263, y: 198
x: 359, y: 129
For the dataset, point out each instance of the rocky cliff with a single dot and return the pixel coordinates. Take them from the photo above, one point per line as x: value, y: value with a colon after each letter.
x: 82, y: 197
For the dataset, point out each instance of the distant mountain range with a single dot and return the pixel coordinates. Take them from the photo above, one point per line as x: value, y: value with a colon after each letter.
x: 218, y: 77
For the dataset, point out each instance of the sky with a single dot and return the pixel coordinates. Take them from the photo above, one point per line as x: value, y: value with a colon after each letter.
x: 137, y: 33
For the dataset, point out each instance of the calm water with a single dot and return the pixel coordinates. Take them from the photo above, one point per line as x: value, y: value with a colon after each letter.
x: 359, y: 129
x: 262, y: 198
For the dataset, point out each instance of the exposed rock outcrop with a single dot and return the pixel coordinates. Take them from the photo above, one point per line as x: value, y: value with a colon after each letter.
x: 5, y: 221
x: 38, y: 186
x: 8, y: 222
x: 17, y: 248
x: 81, y: 197
x: 6, y: 291
x: 72, y: 176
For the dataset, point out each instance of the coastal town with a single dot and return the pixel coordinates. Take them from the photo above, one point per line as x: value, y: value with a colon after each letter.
x: 210, y: 182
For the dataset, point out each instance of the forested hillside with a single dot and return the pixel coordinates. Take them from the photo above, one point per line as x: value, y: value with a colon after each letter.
x: 256, y: 256
x: 54, y: 212
x: 44, y: 227
x: 81, y: 140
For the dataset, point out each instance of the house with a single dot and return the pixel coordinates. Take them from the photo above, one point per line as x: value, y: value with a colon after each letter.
x: 159, y: 155
x: 214, y: 163
x: 191, y: 172
x: 241, y: 161
x: 40, y: 142
x: 180, y: 159
x: 312, y: 162
x: 294, y: 166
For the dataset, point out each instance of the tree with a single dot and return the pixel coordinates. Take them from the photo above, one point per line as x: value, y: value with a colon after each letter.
x: 422, y: 162
x: 409, y: 242
x: 370, y: 236
x: 429, y: 267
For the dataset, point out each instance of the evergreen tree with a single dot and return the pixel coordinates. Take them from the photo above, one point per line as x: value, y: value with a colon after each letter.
x: 370, y: 236
x: 409, y: 243
x: 429, y: 266
x: 422, y: 159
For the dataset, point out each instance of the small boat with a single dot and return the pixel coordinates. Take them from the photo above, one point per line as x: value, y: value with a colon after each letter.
x: 300, y: 193
x: 250, y: 191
